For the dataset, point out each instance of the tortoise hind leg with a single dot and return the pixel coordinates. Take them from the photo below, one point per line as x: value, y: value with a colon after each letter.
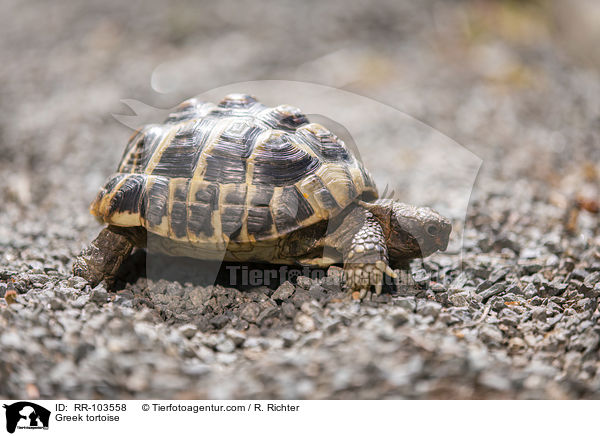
x: 103, y: 257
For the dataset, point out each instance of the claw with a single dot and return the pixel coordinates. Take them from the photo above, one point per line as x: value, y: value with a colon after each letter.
x: 390, y: 272
x: 397, y: 278
x: 361, y: 277
x: 383, y: 267
x: 363, y: 292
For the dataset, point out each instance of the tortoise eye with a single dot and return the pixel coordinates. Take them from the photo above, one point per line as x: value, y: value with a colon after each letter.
x: 432, y: 230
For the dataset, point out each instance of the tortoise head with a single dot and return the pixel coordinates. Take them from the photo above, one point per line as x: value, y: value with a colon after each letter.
x: 411, y: 232
x: 417, y: 231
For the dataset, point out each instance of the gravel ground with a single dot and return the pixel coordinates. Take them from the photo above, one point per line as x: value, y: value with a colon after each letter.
x: 512, y: 314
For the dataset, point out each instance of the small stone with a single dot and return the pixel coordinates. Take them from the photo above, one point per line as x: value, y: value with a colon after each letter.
x: 531, y: 340
x: 459, y: 299
x: 578, y: 274
x: 250, y: 312
x: 288, y: 310
x: 494, y: 381
x: 421, y: 276
x: 174, y: 289
x: 266, y: 314
x: 236, y: 336
x: 490, y: 334
x: 591, y: 280
x: 317, y: 292
x: 498, y: 274
x: 584, y: 304
x: 123, y: 302
x: 227, y: 346
x: 509, y: 318
x: 493, y: 290
x: 556, y: 287
x: 514, y: 288
x: 399, y: 316
x: 10, y: 296
x: 331, y: 284
x: 200, y: 296
x: 407, y: 303
x: 290, y: 337
x: 516, y: 344
x: 503, y: 242
x: 438, y: 288
x: 496, y: 303
x: 188, y: 330
x: 219, y: 321
x: 283, y: 292
x: 531, y: 267
x: 530, y: 291
x: 76, y: 282
x: 310, y: 307
x: 430, y: 309
x: 332, y: 326
x: 299, y: 298
x: 572, y: 362
x: 196, y: 369
x: 539, y: 314
x: 460, y: 281
x: 447, y: 318
x: 442, y: 298
x: 304, y: 323
x: 211, y: 341
x: 552, y: 261
x: 530, y: 253
x: 586, y: 342
x: 80, y: 301
x: 304, y: 282
x: 56, y: 304
x: 596, y: 291
x: 483, y: 286
x: 99, y: 295
x: 126, y: 294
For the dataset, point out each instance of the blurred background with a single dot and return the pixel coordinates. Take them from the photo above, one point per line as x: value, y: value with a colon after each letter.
x: 515, y: 82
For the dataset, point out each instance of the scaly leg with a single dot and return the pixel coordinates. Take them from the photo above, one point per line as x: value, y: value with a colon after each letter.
x: 366, y: 260
x: 361, y: 241
x: 103, y: 257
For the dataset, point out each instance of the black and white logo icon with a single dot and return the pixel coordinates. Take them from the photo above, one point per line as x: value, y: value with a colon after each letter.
x: 26, y: 415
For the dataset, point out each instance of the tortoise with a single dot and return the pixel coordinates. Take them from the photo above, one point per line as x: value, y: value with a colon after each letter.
x: 243, y: 182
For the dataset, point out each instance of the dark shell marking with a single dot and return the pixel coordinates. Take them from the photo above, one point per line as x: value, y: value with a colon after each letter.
x: 128, y: 198
x: 328, y: 146
x: 158, y: 198
x: 280, y: 162
x: 292, y: 211
x: 226, y: 160
x: 237, y: 170
x: 283, y: 117
x: 141, y: 148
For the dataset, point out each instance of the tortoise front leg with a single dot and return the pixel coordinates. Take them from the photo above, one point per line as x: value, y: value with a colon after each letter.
x: 103, y: 257
x: 360, y: 240
x: 366, y: 259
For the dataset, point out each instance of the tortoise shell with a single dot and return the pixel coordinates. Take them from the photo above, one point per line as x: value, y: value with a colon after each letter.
x: 236, y: 171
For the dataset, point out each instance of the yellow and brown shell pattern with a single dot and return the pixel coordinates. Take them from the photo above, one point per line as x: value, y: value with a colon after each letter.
x: 237, y: 171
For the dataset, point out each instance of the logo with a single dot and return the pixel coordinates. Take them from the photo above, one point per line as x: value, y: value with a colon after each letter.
x: 26, y: 415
